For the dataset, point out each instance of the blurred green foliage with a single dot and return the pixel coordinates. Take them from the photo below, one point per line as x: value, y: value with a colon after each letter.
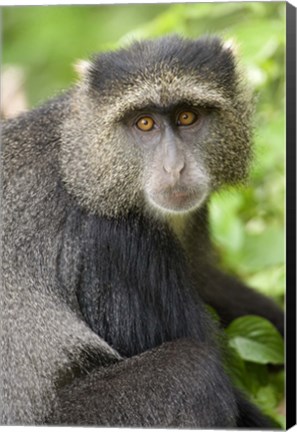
x: 247, y: 223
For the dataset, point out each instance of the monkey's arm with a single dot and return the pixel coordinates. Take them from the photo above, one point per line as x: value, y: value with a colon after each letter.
x: 179, y: 384
x: 226, y: 294
x: 232, y: 299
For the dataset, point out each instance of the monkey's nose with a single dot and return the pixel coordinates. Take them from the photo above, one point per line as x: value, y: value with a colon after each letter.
x: 173, y: 174
x: 174, y: 169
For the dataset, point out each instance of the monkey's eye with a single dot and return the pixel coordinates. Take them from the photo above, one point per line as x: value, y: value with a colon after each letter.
x: 145, y: 124
x: 186, y: 118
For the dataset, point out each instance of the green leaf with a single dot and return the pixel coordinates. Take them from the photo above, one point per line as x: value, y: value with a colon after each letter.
x: 235, y: 366
x: 267, y: 399
x: 256, y: 340
x: 257, y: 376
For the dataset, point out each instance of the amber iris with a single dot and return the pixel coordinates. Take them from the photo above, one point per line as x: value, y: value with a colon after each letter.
x: 186, y: 118
x: 145, y: 124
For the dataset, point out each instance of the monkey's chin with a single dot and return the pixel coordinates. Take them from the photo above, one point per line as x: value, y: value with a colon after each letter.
x: 177, y: 202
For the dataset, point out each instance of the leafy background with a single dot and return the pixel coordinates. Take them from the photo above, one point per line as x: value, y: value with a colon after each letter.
x: 247, y: 223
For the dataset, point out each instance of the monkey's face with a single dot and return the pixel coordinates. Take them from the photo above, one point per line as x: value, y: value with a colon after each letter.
x: 157, y: 126
x: 174, y: 176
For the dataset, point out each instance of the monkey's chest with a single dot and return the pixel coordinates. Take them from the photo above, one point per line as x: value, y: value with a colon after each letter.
x: 131, y: 280
x: 133, y: 313
x: 134, y: 290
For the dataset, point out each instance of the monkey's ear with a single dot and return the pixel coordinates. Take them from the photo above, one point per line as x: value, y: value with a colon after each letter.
x: 232, y: 46
x: 82, y: 67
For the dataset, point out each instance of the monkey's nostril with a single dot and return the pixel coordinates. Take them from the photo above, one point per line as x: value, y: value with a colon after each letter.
x: 166, y: 169
x: 182, y: 168
x: 175, y: 170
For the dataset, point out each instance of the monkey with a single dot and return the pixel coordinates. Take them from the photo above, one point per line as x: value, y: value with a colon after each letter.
x: 107, y: 264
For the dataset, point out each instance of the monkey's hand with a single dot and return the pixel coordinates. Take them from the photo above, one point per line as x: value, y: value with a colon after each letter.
x: 179, y: 384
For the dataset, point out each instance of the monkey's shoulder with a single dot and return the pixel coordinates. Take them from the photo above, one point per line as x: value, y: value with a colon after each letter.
x: 38, y: 126
x: 31, y: 140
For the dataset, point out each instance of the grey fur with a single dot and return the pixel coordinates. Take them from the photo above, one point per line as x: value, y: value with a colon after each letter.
x: 39, y: 335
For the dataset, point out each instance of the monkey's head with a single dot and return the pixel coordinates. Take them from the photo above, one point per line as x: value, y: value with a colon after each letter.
x: 158, y: 125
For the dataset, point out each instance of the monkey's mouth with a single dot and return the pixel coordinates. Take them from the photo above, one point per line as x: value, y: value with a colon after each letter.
x: 178, y: 200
